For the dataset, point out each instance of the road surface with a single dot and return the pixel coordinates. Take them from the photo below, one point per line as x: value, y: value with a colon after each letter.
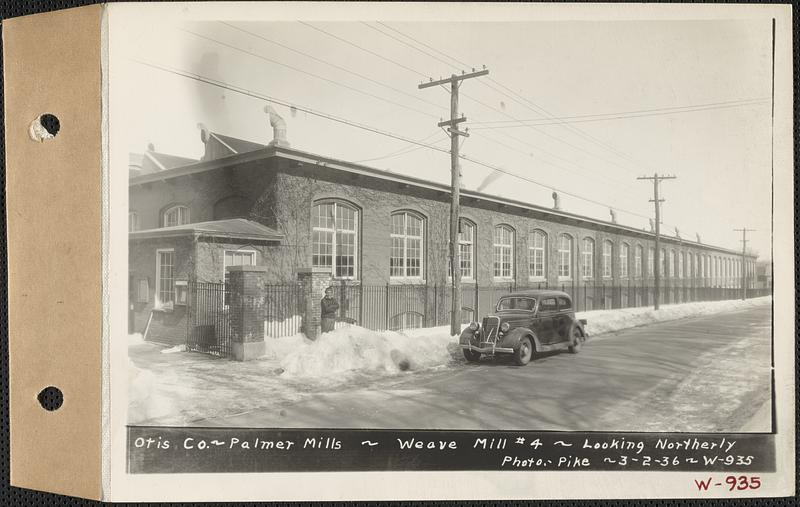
x: 703, y: 374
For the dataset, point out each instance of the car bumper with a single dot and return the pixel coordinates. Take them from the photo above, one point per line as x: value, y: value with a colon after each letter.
x: 487, y: 348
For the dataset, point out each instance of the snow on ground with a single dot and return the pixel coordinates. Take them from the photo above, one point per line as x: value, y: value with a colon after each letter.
x: 180, y: 388
x: 607, y: 321
x: 353, y: 348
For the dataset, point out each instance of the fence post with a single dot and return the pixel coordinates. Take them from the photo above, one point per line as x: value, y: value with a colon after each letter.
x: 477, y: 312
x: 435, y: 304
x: 386, y: 320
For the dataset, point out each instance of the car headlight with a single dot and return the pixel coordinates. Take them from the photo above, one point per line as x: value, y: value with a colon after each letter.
x: 473, y: 326
x: 505, y: 326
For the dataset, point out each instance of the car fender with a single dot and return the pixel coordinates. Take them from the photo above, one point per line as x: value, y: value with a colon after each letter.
x: 581, y: 323
x: 512, y: 339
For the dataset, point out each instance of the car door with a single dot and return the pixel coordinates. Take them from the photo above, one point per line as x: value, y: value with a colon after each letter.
x: 562, y: 322
x: 548, y: 308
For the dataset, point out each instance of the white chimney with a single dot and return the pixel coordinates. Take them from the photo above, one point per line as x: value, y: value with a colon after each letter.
x: 556, y: 201
x: 278, y: 125
x: 205, y: 135
x: 613, y: 215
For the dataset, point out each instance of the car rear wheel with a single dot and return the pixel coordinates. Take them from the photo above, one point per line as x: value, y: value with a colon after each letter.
x: 577, y: 340
x: 524, y: 352
x: 471, y: 356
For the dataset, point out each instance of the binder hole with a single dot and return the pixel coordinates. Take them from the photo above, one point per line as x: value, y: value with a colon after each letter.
x: 45, y: 126
x: 51, y: 398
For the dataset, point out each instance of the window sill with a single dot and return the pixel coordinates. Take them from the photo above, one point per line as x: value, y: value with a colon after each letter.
x: 407, y: 281
x: 164, y: 309
x: 537, y: 279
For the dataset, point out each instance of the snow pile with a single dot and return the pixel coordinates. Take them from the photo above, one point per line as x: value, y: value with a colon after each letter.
x: 607, y: 321
x: 144, y: 402
x: 354, y: 349
x: 177, y: 348
x: 135, y: 339
x: 278, y: 348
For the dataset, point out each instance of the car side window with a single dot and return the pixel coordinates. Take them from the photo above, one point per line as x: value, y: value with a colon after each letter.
x: 548, y: 305
x: 564, y: 304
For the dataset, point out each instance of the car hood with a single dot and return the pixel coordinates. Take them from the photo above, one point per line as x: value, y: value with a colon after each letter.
x: 511, y: 315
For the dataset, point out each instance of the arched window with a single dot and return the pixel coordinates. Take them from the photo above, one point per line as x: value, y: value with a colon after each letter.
x: 537, y: 254
x: 334, y: 237
x: 406, y: 320
x: 637, y: 261
x: 624, y: 253
x: 651, y: 259
x: 503, y: 252
x: 407, y: 245
x: 176, y: 215
x: 608, y: 247
x: 564, y: 257
x: 133, y: 221
x: 671, y: 263
x: 663, y: 262
x: 681, y: 257
x: 466, y: 250
x: 587, y: 258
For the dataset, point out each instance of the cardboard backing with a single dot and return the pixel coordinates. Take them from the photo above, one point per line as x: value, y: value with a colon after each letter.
x: 53, y: 65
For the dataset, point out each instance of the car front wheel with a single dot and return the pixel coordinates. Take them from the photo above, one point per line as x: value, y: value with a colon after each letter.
x: 524, y: 352
x: 577, y: 341
x: 471, y: 356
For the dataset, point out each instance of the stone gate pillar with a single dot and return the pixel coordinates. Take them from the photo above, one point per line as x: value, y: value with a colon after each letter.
x: 314, y: 281
x: 246, y: 311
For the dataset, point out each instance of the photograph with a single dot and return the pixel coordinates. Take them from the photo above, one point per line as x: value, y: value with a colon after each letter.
x: 297, y: 190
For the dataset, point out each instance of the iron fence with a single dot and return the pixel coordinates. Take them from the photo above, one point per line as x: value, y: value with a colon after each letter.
x: 208, y: 319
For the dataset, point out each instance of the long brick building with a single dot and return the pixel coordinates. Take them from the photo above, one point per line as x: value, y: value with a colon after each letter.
x: 245, y: 203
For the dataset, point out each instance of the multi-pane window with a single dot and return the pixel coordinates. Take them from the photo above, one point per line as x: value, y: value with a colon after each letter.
x: 165, y: 277
x: 624, y: 252
x: 587, y: 258
x: 133, y: 221
x: 503, y: 252
x: 651, y: 259
x: 663, y: 262
x: 176, y: 215
x: 637, y: 261
x: 607, y: 248
x: 334, y: 236
x: 537, y: 254
x: 671, y: 263
x: 407, y: 239
x: 681, y: 261
x: 466, y: 250
x: 237, y: 258
x: 565, y: 256
x: 406, y: 320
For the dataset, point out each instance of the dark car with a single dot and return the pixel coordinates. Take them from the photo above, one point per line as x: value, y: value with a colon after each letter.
x: 525, y: 323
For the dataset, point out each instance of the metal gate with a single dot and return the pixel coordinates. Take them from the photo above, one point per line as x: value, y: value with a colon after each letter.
x: 208, y: 320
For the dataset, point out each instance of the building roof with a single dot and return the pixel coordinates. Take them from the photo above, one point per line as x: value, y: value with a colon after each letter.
x: 237, y: 145
x: 305, y: 158
x: 231, y: 228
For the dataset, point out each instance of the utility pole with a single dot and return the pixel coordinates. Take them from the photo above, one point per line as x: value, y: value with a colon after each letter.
x: 455, y: 173
x: 657, y: 258
x: 744, y: 230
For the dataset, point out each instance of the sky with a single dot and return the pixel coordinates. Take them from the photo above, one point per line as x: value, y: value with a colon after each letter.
x: 629, y: 98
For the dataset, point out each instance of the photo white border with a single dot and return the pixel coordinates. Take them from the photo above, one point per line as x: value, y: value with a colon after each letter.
x: 120, y: 486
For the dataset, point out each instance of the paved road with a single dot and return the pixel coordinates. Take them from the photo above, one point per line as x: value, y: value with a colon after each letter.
x: 699, y: 374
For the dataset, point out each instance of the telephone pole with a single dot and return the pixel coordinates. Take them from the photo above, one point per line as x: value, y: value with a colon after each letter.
x: 744, y: 230
x: 657, y: 258
x: 455, y: 193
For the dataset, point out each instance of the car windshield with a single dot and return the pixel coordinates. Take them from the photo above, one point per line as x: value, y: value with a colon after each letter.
x: 516, y: 303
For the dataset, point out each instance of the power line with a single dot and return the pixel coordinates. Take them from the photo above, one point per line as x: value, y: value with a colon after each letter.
x: 670, y: 108
x: 499, y: 110
x: 404, y: 150
x: 260, y: 96
x: 504, y: 94
x: 332, y: 81
x: 362, y: 48
x: 339, y: 67
x: 588, y: 118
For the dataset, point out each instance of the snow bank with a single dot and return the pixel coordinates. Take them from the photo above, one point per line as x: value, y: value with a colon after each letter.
x: 355, y: 349
x: 177, y: 348
x: 144, y: 402
x: 607, y: 321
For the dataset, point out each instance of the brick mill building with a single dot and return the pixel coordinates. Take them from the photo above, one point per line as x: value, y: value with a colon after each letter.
x: 286, y: 210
